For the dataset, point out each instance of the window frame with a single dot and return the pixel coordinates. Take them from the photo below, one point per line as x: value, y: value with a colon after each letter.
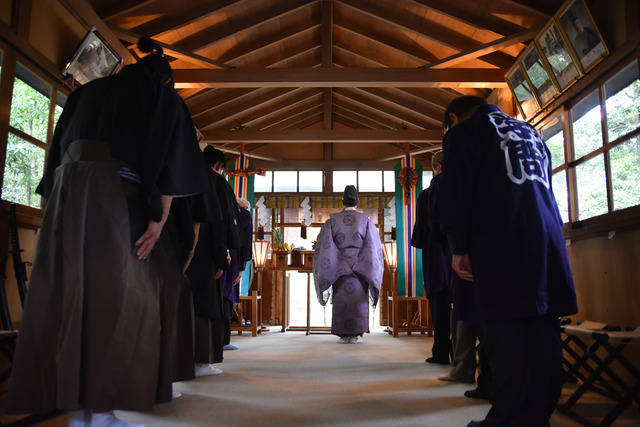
x: 613, y: 219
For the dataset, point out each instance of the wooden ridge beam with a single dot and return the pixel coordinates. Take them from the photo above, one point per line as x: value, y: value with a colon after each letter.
x: 341, y: 77
x: 323, y: 135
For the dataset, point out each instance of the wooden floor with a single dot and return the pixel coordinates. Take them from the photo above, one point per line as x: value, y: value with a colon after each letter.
x: 291, y: 379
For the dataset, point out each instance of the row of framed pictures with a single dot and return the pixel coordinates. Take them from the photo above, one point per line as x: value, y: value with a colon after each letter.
x: 566, y: 48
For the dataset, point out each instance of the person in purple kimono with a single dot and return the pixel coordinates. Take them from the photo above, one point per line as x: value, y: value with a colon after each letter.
x: 348, y: 267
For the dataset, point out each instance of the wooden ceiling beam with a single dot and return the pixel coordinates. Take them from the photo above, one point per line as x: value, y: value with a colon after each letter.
x: 430, y: 30
x: 494, y: 46
x: 341, y: 77
x: 276, y: 118
x: 343, y: 56
x: 170, y: 50
x: 409, y: 103
x: 326, y: 18
x: 303, y: 124
x: 252, y: 48
x: 171, y: 22
x: 324, y: 135
x: 255, y: 110
x: 121, y: 8
x: 400, y: 112
x: 367, y: 113
x: 300, y: 56
x: 346, y: 121
x: 210, y: 99
x: 355, y: 120
x: 244, y: 22
x: 483, y: 22
x: 242, y: 105
x: 402, y: 46
x: 294, y: 119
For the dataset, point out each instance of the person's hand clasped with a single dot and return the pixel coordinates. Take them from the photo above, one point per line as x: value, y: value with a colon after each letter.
x: 147, y: 241
x: 462, y: 266
x: 238, y: 278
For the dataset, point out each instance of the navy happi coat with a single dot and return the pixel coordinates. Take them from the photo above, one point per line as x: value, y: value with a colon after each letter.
x: 500, y: 209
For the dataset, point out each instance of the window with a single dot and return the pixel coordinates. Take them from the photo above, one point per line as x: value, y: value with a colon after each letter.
x: 263, y: 184
x: 625, y: 174
x: 623, y: 108
x: 426, y: 178
x: 343, y: 178
x: 28, y: 135
x: 285, y: 181
x: 553, y: 136
x: 592, y: 188
x: 370, y: 181
x: 389, y: 181
x: 606, y: 156
x: 310, y: 181
x: 623, y: 117
x: 587, y: 126
x: 551, y: 132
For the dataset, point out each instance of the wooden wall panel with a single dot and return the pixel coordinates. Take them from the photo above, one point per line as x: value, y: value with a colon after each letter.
x: 607, y: 277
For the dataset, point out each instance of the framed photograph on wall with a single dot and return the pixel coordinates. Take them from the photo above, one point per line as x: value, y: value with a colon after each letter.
x: 555, y: 54
x: 526, y: 100
x: 541, y: 83
x: 93, y: 59
x: 583, y: 36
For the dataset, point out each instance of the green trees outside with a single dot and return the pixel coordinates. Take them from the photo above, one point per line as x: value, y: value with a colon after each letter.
x: 24, y: 163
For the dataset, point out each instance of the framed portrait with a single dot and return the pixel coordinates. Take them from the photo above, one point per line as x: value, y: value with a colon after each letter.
x: 584, y: 38
x: 555, y: 54
x: 93, y: 59
x: 526, y: 100
x: 541, y: 83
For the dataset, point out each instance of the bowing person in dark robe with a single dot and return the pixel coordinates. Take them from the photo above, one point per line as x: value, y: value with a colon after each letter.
x: 436, y: 264
x: 216, y: 212
x: 232, y: 276
x: 91, y: 338
x: 505, y: 233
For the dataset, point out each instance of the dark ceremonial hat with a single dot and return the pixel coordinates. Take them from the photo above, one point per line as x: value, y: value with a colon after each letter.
x: 350, y: 195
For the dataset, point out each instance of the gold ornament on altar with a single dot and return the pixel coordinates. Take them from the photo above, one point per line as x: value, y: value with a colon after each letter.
x: 407, y: 178
x: 247, y: 172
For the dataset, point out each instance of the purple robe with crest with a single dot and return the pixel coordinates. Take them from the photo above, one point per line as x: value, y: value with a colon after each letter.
x: 347, y: 269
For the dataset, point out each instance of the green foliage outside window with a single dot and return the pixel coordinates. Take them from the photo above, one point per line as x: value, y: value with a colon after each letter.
x: 625, y: 174
x: 622, y: 118
x: 23, y: 170
x: 24, y: 162
x: 29, y: 110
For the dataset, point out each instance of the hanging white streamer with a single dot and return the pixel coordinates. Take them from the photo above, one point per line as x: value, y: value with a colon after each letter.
x: 390, y: 213
x: 306, y: 211
x: 263, y: 212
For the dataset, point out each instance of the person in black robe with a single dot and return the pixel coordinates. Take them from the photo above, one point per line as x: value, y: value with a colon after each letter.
x: 232, y: 277
x: 95, y: 331
x: 217, y: 213
x: 436, y: 267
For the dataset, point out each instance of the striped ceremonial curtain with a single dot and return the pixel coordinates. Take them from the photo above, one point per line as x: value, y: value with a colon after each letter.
x: 274, y: 202
x: 243, y: 188
x: 410, y: 280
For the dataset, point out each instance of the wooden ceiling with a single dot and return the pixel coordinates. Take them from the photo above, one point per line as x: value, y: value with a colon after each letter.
x: 301, y: 75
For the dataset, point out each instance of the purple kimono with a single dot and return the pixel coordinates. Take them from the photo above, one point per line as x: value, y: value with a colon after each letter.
x: 347, y: 269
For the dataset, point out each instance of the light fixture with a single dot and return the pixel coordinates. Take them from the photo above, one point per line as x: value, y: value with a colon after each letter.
x: 260, y: 252
x: 390, y: 251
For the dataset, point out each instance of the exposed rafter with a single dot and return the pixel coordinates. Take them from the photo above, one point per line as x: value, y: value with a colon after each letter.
x: 341, y: 77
